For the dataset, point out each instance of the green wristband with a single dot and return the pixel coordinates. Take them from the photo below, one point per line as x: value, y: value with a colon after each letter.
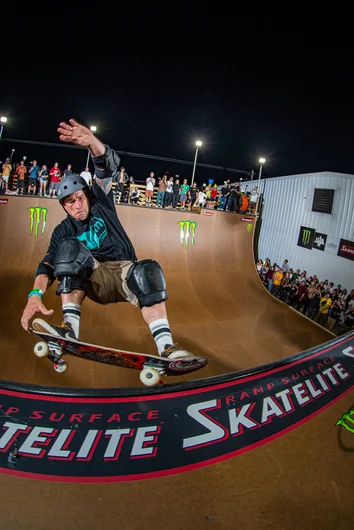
x: 37, y: 292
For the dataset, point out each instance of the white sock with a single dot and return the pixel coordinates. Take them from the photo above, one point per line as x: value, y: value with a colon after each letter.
x: 160, y: 330
x: 71, y: 314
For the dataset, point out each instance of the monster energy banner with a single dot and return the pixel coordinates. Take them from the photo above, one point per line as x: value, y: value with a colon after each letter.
x: 187, y: 232
x: 306, y: 237
x: 86, y: 437
x: 38, y: 220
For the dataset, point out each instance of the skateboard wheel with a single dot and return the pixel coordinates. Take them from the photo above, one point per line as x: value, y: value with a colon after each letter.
x: 61, y: 368
x: 149, y: 377
x: 41, y: 349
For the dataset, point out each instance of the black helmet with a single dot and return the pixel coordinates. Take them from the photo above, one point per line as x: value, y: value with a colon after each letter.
x: 70, y: 184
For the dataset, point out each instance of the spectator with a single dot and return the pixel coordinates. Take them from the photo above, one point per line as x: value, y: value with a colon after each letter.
x: 168, y: 193
x: 270, y: 275
x: 349, y: 319
x: 33, y: 174
x: 134, y: 196
x: 86, y: 174
x: 334, y: 313
x: 55, y: 174
x: 285, y: 288
x: 314, y: 303
x: 192, y: 195
x: 150, y: 183
x: 121, y: 179
x: 253, y: 201
x: 162, y: 185
x: 184, y: 193
x: 311, y: 291
x: 301, y: 296
x: 6, y: 170
x: 2, y: 186
x: 285, y: 266
x: 21, y: 171
x: 67, y: 171
x: 214, y: 193
x: 224, y: 194
x: 43, y: 180
x: 233, y: 200
x: 175, y: 192
x: 277, y: 281
x: 322, y: 314
x: 201, y: 198
x: 131, y: 184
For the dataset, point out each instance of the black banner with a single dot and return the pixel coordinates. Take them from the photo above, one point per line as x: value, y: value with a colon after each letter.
x: 306, y: 237
x: 319, y: 241
x: 166, y: 431
x: 346, y: 249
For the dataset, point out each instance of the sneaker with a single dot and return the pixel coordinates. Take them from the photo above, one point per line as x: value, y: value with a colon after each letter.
x: 172, y: 352
x: 64, y: 330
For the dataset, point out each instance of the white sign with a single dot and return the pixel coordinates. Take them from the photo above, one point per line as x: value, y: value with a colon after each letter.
x: 332, y: 245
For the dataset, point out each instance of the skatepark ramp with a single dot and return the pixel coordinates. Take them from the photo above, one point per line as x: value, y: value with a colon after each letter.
x: 261, y: 437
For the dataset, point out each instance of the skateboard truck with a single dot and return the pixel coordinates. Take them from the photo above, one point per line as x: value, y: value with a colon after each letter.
x: 54, y: 352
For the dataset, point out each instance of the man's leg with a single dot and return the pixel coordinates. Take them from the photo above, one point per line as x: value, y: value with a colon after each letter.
x: 71, y: 304
x: 146, y: 281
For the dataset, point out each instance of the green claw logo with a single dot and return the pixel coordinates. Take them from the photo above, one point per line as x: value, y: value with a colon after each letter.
x: 306, y: 235
x: 36, y: 216
x: 186, y: 229
x: 346, y: 419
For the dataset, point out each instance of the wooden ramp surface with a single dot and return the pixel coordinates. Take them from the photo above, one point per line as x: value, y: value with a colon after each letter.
x: 217, y: 308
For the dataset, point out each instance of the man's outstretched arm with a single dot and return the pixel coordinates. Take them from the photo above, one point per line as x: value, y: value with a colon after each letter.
x: 105, y: 159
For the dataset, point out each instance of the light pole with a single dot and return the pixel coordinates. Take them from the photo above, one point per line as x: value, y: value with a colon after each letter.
x: 3, y: 120
x: 198, y: 144
x: 261, y: 161
x: 93, y: 128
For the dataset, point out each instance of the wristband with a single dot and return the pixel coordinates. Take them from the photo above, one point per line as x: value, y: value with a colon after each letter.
x: 37, y: 292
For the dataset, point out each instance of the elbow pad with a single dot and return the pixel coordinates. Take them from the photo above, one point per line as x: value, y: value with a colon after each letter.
x: 106, y: 165
x: 43, y: 268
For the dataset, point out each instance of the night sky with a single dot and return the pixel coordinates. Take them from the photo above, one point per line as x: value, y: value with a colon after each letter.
x: 157, y: 94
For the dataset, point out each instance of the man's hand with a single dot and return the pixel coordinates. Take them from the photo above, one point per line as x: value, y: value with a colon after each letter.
x: 78, y: 134
x: 34, y: 305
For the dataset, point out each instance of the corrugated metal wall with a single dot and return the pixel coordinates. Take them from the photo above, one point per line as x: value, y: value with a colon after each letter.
x: 288, y: 206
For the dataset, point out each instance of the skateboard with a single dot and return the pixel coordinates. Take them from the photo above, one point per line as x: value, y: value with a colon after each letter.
x: 151, y: 367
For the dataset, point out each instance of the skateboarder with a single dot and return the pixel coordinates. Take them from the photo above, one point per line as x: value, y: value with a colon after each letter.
x: 91, y: 255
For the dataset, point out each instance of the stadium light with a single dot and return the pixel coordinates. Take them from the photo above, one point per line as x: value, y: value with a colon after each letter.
x: 261, y: 161
x: 198, y: 144
x: 93, y: 128
x: 3, y: 120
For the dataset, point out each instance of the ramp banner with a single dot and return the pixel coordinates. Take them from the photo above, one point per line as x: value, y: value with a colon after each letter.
x: 82, y: 437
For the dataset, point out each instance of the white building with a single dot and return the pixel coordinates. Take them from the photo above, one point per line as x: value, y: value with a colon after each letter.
x: 288, y: 205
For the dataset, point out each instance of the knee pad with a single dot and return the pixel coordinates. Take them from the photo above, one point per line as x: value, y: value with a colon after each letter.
x: 146, y: 280
x: 73, y: 265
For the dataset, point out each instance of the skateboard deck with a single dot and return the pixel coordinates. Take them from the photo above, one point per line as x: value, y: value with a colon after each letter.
x: 151, y: 367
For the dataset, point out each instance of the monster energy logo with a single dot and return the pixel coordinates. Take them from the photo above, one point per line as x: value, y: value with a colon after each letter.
x: 347, y: 417
x: 187, y: 228
x: 306, y: 236
x: 36, y: 216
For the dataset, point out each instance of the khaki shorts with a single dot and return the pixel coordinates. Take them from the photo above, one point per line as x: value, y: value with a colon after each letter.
x: 108, y: 283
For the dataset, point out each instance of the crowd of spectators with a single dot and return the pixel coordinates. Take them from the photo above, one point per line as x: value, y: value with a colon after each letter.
x: 35, y: 179
x: 320, y: 300
x: 172, y: 191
